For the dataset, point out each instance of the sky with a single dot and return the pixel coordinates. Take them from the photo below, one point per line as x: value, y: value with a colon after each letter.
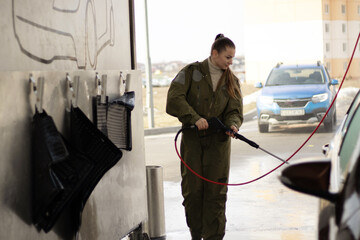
x: 185, y: 29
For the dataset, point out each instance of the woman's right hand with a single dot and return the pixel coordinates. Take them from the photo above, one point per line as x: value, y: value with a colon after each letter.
x: 202, y: 124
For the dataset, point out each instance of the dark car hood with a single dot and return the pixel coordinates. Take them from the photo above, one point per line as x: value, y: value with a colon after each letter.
x: 294, y: 91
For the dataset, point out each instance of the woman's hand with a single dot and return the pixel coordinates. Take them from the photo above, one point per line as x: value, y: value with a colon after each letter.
x: 234, y: 130
x: 202, y: 124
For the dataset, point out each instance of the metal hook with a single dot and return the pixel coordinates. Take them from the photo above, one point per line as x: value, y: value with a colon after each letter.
x: 124, y: 81
x: 122, y: 78
x: 31, y: 80
x: 97, y: 80
x: 38, y: 88
x: 68, y: 79
x: 97, y: 84
x: 74, y: 88
x: 101, y: 87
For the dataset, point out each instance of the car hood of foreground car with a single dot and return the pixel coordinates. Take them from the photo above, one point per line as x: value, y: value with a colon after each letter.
x: 293, y: 91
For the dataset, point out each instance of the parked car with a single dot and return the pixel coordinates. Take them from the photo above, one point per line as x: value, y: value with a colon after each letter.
x: 335, y: 179
x: 294, y: 94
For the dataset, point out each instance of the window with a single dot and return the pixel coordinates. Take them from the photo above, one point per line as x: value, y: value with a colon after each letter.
x: 344, y: 47
x: 326, y: 8
x: 343, y: 9
x: 343, y: 28
x: 327, y: 47
x: 327, y: 27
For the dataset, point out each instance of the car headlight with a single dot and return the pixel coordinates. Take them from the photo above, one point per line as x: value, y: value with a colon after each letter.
x: 320, y: 97
x: 266, y: 100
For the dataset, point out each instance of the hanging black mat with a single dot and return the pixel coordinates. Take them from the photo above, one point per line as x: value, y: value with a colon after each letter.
x: 93, y: 143
x: 119, y: 120
x: 58, y: 172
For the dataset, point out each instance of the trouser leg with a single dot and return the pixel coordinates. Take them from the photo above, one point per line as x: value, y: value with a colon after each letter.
x: 216, y: 167
x: 205, y: 202
x: 192, y: 186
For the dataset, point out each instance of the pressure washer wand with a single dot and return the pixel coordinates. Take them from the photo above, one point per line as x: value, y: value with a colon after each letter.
x: 273, y: 155
x: 217, y: 124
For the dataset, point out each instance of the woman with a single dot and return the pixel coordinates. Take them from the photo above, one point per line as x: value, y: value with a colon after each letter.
x: 200, y: 91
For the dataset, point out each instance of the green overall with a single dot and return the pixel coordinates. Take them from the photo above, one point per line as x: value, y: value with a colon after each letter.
x: 190, y: 98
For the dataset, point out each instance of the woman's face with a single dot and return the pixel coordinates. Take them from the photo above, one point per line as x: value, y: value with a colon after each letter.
x: 223, y: 59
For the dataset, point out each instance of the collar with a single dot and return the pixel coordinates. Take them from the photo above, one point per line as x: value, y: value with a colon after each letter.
x: 213, y: 67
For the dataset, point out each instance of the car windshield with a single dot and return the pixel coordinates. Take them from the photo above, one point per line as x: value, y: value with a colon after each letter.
x: 295, y: 76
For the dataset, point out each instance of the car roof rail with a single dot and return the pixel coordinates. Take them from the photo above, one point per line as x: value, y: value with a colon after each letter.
x: 278, y: 64
x: 318, y: 63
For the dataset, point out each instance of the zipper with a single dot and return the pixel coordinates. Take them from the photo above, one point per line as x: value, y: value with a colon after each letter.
x: 211, y: 105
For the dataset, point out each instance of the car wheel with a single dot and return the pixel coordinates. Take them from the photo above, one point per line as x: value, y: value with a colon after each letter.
x: 263, y: 128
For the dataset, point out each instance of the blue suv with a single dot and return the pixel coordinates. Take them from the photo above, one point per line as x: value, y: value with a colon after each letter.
x: 296, y: 94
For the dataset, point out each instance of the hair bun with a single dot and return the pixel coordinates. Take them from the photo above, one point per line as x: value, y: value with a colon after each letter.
x: 220, y: 35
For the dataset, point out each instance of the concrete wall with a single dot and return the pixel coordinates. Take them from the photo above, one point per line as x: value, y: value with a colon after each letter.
x: 49, y: 38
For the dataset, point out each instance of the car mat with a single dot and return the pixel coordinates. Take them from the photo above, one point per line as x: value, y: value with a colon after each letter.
x: 58, y: 172
x: 100, y: 113
x: 119, y: 120
x: 104, y: 154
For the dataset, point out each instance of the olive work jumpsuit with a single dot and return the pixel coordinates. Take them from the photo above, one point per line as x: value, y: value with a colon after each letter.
x: 191, y: 97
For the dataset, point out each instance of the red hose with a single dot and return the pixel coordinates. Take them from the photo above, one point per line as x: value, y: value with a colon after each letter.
x: 255, y: 179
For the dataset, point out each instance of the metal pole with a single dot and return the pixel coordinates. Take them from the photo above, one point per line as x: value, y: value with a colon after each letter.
x: 149, y: 92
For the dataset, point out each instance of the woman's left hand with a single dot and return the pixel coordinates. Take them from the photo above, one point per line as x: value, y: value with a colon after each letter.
x: 234, y: 130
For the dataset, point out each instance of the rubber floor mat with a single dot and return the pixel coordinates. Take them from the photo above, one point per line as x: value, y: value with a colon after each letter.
x: 93, y: 143
x: 59, y: 172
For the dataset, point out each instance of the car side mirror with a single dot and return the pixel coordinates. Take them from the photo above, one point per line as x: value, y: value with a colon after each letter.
x: 258, y: 85
x: 309, y: 177
x: 334, y: 82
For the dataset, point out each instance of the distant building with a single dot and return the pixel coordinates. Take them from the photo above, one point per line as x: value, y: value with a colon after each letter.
x: 301, y: 31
